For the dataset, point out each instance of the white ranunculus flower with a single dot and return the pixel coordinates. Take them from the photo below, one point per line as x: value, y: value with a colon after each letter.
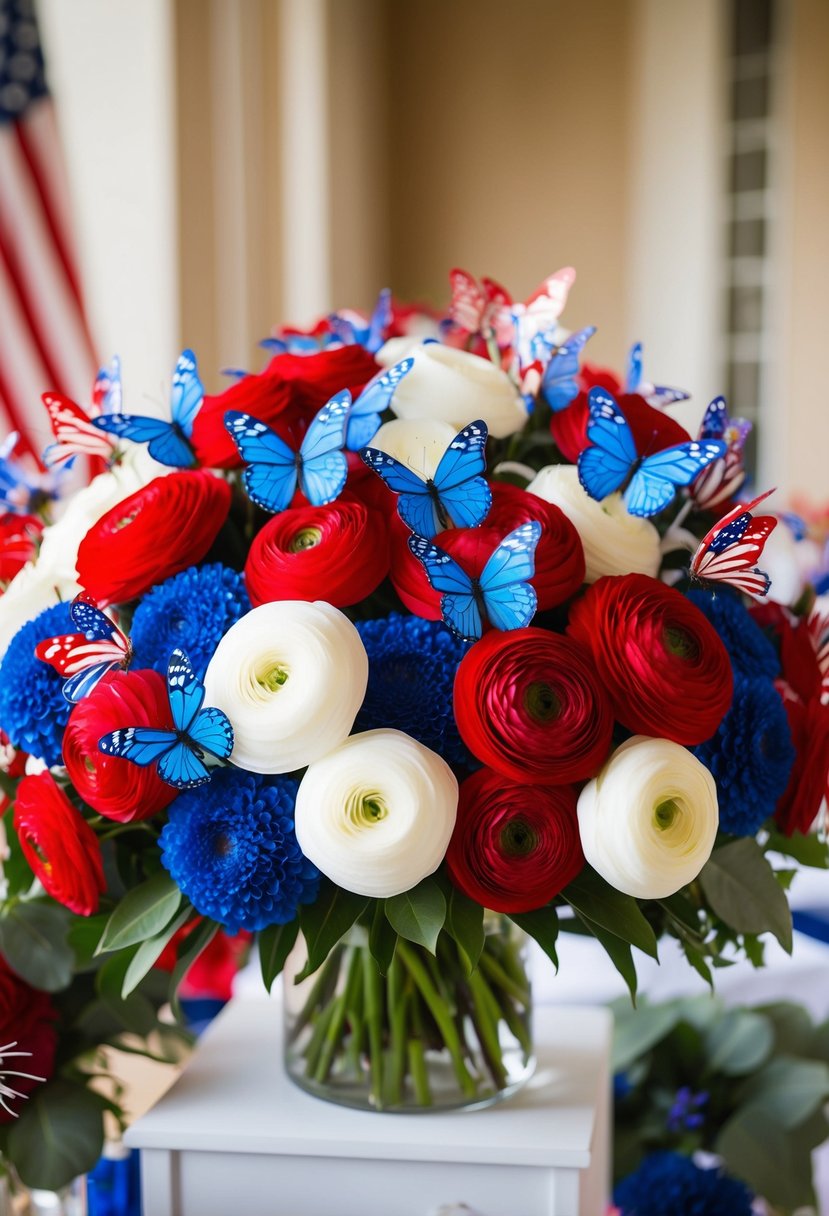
x: 457, y: 387
x: 614, y: 541
x: 376, y: 814
x: 417, y: 443
x: 649, y: 820
x: 291, y: 677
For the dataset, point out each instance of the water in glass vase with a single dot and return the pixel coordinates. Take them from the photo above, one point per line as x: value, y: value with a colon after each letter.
x: 427, y: 1035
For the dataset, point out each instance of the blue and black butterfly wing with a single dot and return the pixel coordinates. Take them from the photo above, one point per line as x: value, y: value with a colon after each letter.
x: 323, y: 466
x: 141, y: 744
x: 164, y: 441
x: 509, y: 597
x: 415, y: 505
x: 213, y: 733
x: 463, y: 492
x: 559, y: 387
x: 606, y: 465
x: 185, y: 690
x: 271, y: 476
x: 715, y: 420
x: 364, y: 418
x: 90, y: 621
x: 458, y: 604
x: 182, y: 768
x: 657, y: 479
x: 187, y: 393
x: 633, y: 377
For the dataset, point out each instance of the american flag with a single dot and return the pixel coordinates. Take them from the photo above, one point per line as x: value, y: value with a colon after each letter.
x: 44, y: 339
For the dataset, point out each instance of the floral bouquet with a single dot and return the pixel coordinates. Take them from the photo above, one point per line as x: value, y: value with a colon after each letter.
x: 391, y: 654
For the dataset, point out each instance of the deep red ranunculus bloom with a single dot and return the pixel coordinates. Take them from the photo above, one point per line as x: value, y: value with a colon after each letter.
x: 530, y: 704
x: 19, y: 535
x: 339, y: 551
x: 27, y: 1019
x: 58, y: 844
x: 664, y: 667
x: 286, y: 395
x: 652, y: 428
x: 515, y: 846
x: 158, y: 531
x: 114, y: 787
x: 808, y: 785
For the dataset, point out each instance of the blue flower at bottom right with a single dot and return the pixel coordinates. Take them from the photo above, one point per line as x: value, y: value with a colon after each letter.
x: 668, y: 1184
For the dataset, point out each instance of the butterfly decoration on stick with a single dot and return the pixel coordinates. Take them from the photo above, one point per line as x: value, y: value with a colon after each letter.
x: 817, y: 624
x: 476, y: 307
x: 179, y: 753
x: 719, y: 482
x: 612, y: 461
x: 168, y: 442
x: 559, y: 385
x: 655, y: 394
x: 353, y: 329
x: 364, y: 413
x: 85, y: 657
x: 457, y: 496
x: 72, y: 425
x: 503, y: 595
x: 275, y: 470
x: 729, y: 552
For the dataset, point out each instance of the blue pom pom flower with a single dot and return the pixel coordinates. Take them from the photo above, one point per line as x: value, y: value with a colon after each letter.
x: 231, y: 848
x: 193, y: 610
x: 750, y: 651
x: 670, y: 1183
x: 411, y: 671
x: 33, y: 709
x: 750, y: 756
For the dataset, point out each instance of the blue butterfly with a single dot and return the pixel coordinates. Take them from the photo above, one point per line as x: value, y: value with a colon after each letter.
x: 456, y: 497
x: 503, y: 593
x: 274, y: 469
x: 351, y: 330
x: 613, y: 460
x: 180, y: 752
x: 559, y: 386
x: 167, y: 442
x: 655, y: 394
x: 364, y: 416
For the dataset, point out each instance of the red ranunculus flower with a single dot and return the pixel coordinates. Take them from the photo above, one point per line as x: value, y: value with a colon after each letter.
x: 530, y: 704
x: 340, y: 551
x: 514, y: 846
x: 159, y: 530
x: 808, y: 785
x: 27, y: 1019
x: 652, y: 429
x: 114, y: 787
x: 58, y: 844
x: 664, y: 667
x: 19, y: 535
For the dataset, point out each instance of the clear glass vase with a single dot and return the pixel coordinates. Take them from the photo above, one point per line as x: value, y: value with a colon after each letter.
x: 428, y: 1035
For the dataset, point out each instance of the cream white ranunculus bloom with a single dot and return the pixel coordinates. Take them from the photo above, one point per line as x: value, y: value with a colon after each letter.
x: 376, y: 814
x: 291, y: 676
x: 614, y: 541
x: 648, y: 821
x: 418, y: 443
x: 458, y: 388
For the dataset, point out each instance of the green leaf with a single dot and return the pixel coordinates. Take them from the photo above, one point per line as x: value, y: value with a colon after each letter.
x: 275, y: 944
x: 418, y: 915
x: 697, y: 960
x: 33, y: 938
x: 465, y: 923
x: 620, y: 955
x: 739, y: 1042
x: 149, y: 951
x: 325, y: 921
x: 773, y: 1163
x: 638, y: 1030
x: 542, y: 926
x: 596, y: 901
x: 142, y: 913
x: 133, y: 1013
x: 382, y: 939
x: 808, y: 850
x: 16, y: 869
x: 741, y: 888
x: 792, y: 1027
x: 683, y: 912
x: 789, y: 1090
x: 188, y: 952
x: 58, y: 1136
x: 83, y: 937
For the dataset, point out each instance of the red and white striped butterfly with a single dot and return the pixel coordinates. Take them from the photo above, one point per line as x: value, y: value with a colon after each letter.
x: 729, y: 552
x: 476, y: 306
x: 74, y: 433
x: 85, y: 657
x: 818, y: 627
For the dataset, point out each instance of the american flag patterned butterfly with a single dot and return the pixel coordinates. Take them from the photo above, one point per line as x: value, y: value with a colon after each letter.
x: 730, y: 551
x: 476, y: 306
x: 85, y: 657
x: 818, y: 627
x: 72, y: 426
x: 721, y: 480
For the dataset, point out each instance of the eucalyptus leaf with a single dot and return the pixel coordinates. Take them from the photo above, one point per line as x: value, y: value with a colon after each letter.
x: 418, y: 915
x: 638, y: 1030
x: 808, y: 850
x: 789, y: 1090
x: 740, y: 886
x: 325, y: 921
x: 275, y: 944
x: 142, y: 913
x: 33, y: 940
x: 739, y: 1042
x: 599, y: 903
x: 774, y: 1163
x: 541, y: 925
x: 58, y: 1136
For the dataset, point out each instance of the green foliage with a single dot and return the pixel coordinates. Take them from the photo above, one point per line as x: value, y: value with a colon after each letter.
x: 382, y: 938
x: 143, y: 912
x: 59, y: 1135
x: 741, y: 887
x: 275, y: 944
x: 465, y: 923
x: 419, y: 915
x: 599, y: 904
x: 325, y: 921
x: 33, y: 940
x: 542, y: 925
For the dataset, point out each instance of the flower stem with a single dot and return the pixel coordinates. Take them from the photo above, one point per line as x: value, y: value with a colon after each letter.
x: 374, y: 1018
x: 438, y: 1011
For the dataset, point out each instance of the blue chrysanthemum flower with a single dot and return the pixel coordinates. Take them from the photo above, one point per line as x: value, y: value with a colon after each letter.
x: 33, y: 709
x: 669, y: 1182
x: 411, y: 670
x: 750, y: 756
x: 193, y: 610
x: 750, y: 651
x: 231, y: 848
